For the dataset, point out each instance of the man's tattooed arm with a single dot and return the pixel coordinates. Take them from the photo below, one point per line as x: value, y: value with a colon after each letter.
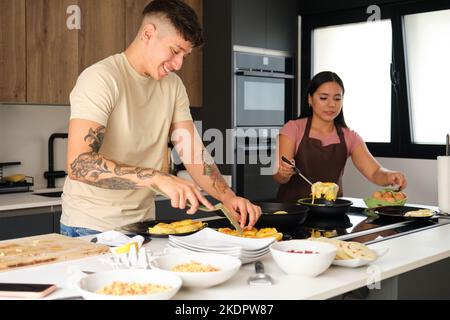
x: 94, y: 169
x: 210, y: 169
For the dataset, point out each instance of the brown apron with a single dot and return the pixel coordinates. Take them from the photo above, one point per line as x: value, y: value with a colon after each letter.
x: 317, y: 163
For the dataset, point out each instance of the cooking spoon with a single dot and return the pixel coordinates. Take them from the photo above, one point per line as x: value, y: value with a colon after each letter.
x: 295, y: 169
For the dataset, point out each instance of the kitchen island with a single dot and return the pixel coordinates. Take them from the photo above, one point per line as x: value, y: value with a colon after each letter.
x: 406, y: 253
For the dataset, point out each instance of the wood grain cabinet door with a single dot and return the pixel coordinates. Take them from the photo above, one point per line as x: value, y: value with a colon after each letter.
x: 57, y: 54
x: 133, y: 18
x: 12, y: 51
x: 102, y: 32
x: 192, y: 71
x: 52, y: 52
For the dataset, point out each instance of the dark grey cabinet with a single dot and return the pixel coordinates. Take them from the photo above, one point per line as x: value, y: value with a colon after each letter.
x: 269, y: 24
x: 282, y: 25
x: 249, y: 23
x: 29, y: 222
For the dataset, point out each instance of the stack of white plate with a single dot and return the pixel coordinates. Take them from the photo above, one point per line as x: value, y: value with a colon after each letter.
x: 211, y: 241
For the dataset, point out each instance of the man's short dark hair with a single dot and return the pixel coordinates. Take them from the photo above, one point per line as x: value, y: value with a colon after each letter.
x: 182, y: 17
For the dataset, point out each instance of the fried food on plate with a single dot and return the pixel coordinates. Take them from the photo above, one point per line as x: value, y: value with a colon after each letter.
x: 176, y: 227
x: 254, y: 233
x: 349, y: 249
x: 419, y: 213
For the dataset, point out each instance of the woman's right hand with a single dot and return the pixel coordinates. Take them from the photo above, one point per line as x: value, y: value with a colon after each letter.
x: 285, y: 170
x: 181, y: 192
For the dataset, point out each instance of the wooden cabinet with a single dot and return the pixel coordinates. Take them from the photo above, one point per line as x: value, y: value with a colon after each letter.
x: 52, y: 52
x: 192, y: 71
x: 43, y: 57
x: 56, y: 54
x: 133, y: 18
x: 12, y: 51
x: 103, y: 30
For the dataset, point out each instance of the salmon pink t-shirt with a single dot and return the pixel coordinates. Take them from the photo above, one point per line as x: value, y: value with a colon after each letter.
x: 295, y: 130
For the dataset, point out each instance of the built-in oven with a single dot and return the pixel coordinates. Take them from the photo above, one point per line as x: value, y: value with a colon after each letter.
x: 263, y: 89
x: 254, y: 159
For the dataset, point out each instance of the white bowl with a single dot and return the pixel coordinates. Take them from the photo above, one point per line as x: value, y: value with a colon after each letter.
x: 304, y: 264
x: 227, y: 265
x: 89, y: 284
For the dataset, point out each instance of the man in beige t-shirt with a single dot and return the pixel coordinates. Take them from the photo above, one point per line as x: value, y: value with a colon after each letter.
x: 123, y: 109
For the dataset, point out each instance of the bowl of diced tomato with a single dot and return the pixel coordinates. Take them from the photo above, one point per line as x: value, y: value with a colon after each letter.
x: 303, y: 257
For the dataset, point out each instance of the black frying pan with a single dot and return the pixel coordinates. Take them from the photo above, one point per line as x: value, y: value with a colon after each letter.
x: 323, y: 207
x: 399, y: 212
x: 296, y: 214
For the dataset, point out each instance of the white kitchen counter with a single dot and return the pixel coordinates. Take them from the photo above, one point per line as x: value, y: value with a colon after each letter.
x: 406, y: 253
x: 26, y: 200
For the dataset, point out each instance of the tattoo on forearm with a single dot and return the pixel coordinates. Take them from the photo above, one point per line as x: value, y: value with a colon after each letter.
x: 115, y: 184
x: 210, y: 170
x: 89, y: 166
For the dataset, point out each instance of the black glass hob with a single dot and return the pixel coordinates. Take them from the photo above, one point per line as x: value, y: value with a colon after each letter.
x: 355, y: 225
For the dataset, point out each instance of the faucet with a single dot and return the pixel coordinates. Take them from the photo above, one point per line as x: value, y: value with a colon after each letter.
x: 51, y: 175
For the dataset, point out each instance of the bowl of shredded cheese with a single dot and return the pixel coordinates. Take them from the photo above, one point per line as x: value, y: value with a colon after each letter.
x: 129, y: 284
x: 198, y: 270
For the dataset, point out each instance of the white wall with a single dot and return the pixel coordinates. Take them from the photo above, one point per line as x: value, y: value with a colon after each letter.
x: 24, y: 133
x: 421, y: 176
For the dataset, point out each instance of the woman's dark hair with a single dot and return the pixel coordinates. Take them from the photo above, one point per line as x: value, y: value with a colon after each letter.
x: 182, y: 17
x: 316, y: 82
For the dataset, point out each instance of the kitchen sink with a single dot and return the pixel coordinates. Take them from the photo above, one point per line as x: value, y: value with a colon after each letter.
x: 54, y: 194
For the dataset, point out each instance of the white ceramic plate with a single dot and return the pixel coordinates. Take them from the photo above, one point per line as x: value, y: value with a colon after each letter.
x: 227, y: 265
x: 354, y: 263
x: 244, y: 257
x: 212, y: 239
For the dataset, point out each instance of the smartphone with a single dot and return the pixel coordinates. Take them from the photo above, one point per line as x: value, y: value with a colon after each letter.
x: 26, y: 290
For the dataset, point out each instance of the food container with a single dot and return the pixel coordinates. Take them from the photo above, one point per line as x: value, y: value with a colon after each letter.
x: 88, y: 285
x: 310, y: 258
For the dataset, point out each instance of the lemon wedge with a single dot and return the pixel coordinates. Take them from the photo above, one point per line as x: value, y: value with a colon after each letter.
x: 126, y: 248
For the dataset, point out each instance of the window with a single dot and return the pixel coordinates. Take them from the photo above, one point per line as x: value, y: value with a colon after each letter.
x: 395, y: 71
x: 427, y: 51
x: 361, y: 54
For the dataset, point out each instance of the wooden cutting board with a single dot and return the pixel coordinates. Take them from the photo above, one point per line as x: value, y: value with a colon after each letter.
x: 45, y: 249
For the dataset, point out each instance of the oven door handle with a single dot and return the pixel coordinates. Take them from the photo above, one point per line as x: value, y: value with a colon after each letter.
x: 256, y: 147
x: 265, y: 74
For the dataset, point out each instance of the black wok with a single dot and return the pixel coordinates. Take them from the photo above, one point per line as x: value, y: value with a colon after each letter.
x: 324, y: 208
x: 296, y: 214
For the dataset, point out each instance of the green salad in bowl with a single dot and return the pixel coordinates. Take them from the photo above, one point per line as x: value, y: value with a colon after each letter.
x: 385, y: 197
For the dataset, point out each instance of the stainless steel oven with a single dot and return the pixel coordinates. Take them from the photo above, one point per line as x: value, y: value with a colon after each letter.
x: 263, y: 89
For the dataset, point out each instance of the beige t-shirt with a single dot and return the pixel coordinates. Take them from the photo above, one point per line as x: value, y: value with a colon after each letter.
x: 137, y: 112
